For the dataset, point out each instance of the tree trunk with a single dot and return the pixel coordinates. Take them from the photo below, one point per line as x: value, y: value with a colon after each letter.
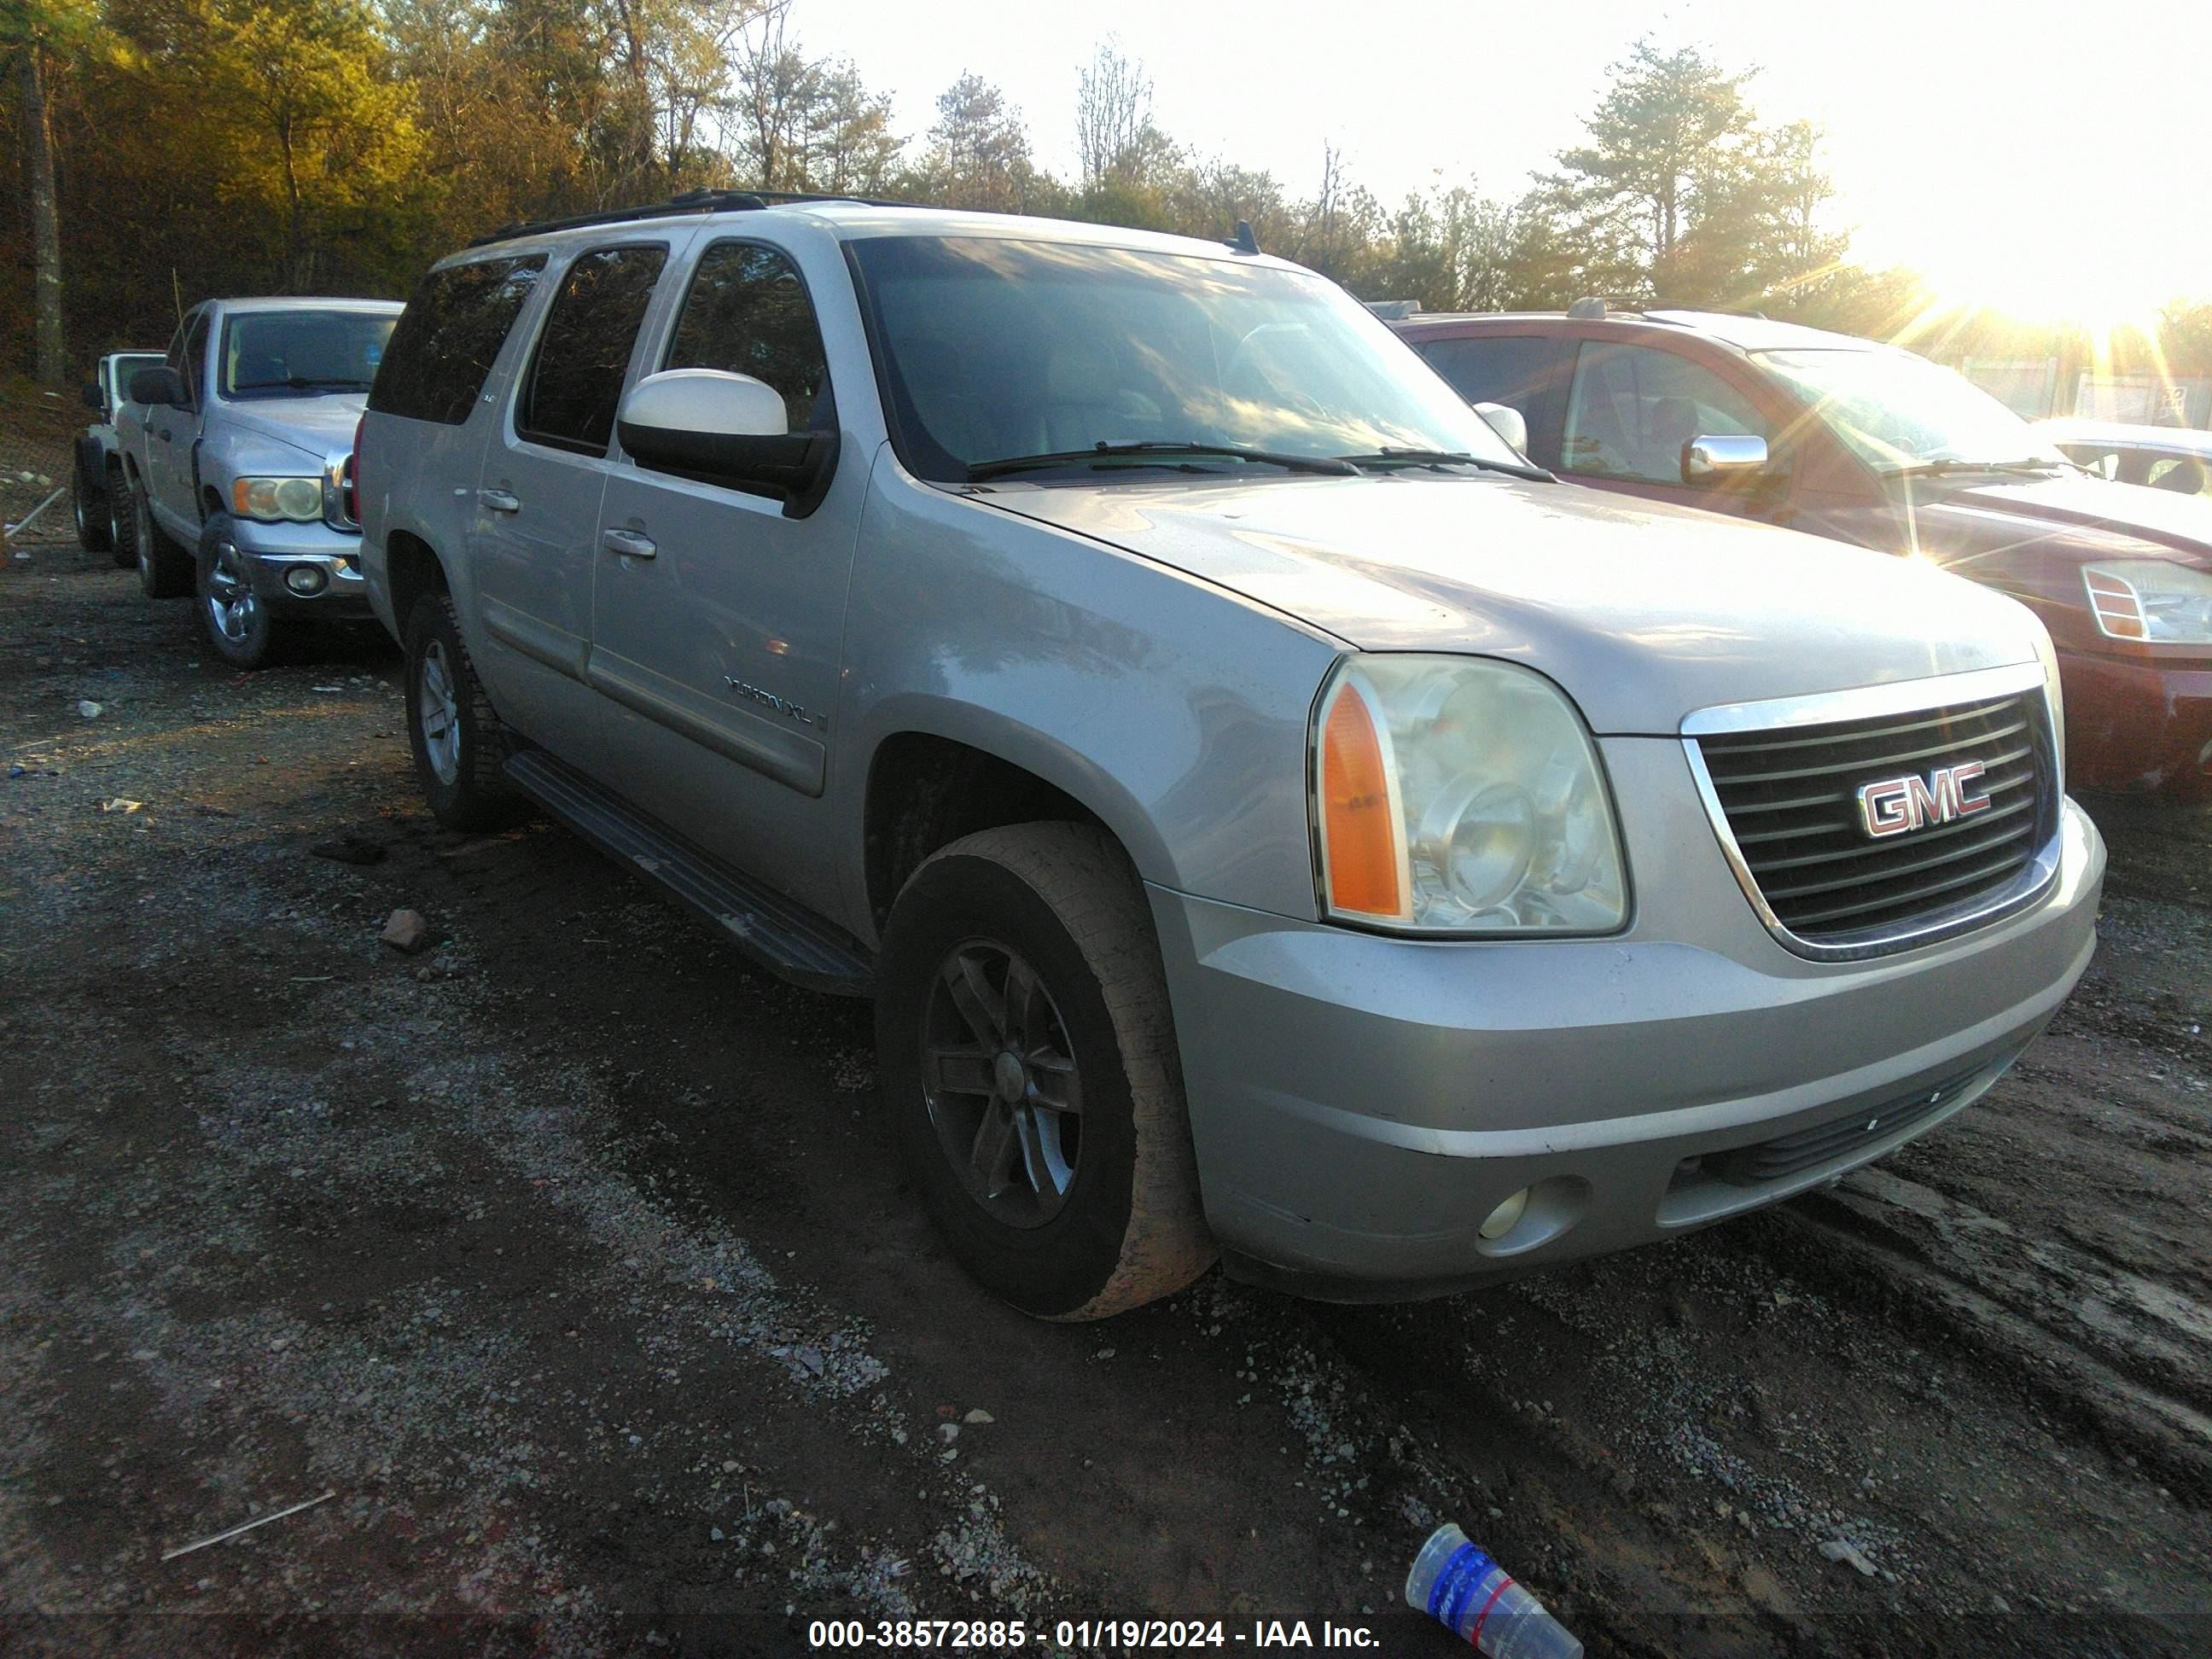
x: 46, y: 220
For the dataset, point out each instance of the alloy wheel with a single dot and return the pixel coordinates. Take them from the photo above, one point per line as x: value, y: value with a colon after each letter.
x: 230, y: 599
x: 439, y: 713
x: 1004, y: 1091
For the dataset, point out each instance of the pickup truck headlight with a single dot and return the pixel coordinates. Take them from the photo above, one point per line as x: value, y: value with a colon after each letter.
x: 1455, y: 795
x: 2150, y: 600
x: 298, y: 499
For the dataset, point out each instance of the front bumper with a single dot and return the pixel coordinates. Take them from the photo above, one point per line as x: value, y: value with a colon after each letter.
x: 1359, y: 1104
x: 329, y: 560
x: 2137, y: 725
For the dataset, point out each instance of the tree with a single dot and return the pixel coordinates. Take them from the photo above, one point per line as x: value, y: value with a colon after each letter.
x: 36, y: 33
x: 1114, y: 138
x: 808, y: 124
x: 1665, y: 142
x: 978, y: 154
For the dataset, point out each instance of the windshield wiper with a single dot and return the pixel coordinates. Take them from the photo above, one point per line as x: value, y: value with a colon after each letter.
x: 301, y: 383
x: 1146, y: 448
x: 1938, y: 468
x: 1447, y: 458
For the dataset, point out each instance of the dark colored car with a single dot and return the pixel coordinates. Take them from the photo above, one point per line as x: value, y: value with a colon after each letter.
x: 1871, y: 445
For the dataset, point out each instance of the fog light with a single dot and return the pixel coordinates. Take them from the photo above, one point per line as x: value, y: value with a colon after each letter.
x: 306, y: 579
x: 1501, y: 1220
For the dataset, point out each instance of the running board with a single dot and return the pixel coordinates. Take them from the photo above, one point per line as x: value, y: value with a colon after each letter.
x: 784, y: 937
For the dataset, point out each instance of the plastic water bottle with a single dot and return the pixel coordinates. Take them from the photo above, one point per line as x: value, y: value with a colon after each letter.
x: 1458, y: 1585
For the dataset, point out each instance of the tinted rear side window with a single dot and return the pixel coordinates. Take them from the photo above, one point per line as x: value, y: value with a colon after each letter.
x: 435, y: 363
x: 1514, y: 369
x: 748, y: 314
x: 575, y: 380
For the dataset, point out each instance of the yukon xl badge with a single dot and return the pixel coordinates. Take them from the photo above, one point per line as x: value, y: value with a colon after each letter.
x: 1893, y: 806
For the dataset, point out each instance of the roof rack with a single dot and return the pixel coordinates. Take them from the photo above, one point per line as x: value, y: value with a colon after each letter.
x: 691, y: 201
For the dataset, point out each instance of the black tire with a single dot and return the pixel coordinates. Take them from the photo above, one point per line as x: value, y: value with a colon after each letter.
x: 164, y: 569
x: 90, y: 509
x: 115, y: 503
x: 468, y: 790
x: 1061, y: 901
x: 238, y: 624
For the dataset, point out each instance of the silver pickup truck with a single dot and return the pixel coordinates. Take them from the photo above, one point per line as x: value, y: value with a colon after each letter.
x: 236, y: 454
x: 1272, y: 817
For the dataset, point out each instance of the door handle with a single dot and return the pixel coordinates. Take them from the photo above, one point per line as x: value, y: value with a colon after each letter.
x: 627, y: 543
x: 500, y: 501
x: 162, y: 433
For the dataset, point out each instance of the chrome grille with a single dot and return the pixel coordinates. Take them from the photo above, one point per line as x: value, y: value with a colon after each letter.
x: 1786, y: 800
x: 338, y: 507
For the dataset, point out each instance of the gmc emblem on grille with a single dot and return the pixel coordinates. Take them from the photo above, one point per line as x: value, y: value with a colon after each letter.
x: 1894, y: 806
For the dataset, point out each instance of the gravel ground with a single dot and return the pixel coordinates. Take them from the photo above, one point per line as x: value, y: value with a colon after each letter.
x: 567, y: 1258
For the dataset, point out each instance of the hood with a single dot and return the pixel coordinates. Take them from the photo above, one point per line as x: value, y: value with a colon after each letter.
x: 321, y: 426
x: 2128, y: 515
x: 1642, y: 611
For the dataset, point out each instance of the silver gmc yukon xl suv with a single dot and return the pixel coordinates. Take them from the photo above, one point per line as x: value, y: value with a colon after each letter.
x: 1274, y: 819
x: 235, y: 453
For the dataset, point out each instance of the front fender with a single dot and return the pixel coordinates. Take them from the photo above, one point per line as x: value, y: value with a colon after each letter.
x: 1175, y: 711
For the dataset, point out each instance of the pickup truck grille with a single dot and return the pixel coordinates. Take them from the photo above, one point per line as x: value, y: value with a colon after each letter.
x: 1859, y: 836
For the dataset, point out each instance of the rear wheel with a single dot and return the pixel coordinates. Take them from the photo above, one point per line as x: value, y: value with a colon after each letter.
x: 164, y: 569
x: 115, y: 504
x: 1027, y: 1055
x: 90, y: 510
x: 460, y: 743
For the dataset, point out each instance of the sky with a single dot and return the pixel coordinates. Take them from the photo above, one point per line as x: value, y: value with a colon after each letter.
x: 2048, y: 159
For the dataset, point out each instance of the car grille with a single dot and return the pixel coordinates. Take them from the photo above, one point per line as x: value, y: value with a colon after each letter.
x: 1789, y: 1155
x: 1790, y: 797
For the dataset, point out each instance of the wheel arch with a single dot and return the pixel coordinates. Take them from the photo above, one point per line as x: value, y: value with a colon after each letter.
x: 938, y: 773
x: 412, y: 568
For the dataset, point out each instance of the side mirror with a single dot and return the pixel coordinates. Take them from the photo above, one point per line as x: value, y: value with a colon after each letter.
x: 1508, y: 422
x: 90, y: 393
x: 160, y: 388
x: 728, y: 429
x: 1730, y: 458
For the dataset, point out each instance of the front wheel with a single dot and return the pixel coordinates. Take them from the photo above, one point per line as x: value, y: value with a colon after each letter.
x: 238, y: 624
x: 1027, y: 1055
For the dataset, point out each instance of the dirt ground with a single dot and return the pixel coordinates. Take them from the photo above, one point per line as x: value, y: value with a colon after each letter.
x: 569, y: 1261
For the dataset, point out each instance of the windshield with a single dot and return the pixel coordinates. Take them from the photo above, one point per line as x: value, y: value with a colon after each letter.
x: 1900, y: 412
x: 300, y: 354
x: 989, y: 349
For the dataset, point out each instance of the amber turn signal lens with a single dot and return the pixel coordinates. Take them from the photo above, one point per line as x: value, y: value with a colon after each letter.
x: 1360, y: 834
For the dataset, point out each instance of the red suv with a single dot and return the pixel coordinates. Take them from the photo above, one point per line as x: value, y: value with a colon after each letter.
x: 1865, y: 443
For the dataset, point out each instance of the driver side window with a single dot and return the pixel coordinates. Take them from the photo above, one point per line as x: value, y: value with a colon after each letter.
x: 748, y: 314
x: 1632, y: 408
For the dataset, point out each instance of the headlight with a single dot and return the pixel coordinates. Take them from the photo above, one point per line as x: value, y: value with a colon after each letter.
x: 1455, y: 795
x: 2150, y: 600
x: 300, y: 499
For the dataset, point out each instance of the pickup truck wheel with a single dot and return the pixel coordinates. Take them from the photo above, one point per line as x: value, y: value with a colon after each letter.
x: 460, y: 743
x: 164, y: 570
x: 115, y: 509
x: 91, y: 513
x: 1027, y: 1055
x: 238, y: 624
